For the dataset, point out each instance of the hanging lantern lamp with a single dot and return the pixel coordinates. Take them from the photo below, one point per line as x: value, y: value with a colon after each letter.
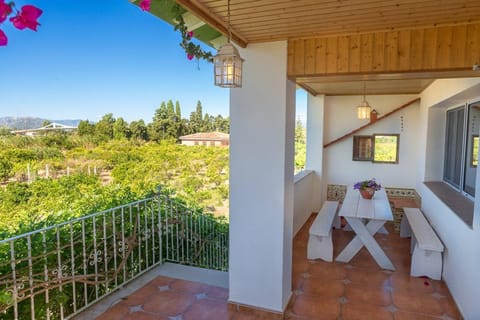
x: 364, y: 109
x: 228, y: 63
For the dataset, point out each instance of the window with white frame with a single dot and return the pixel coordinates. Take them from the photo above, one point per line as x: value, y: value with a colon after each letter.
x: 461, y: 147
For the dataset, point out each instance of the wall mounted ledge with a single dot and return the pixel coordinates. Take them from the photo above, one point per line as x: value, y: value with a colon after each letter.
x: 457, y: 202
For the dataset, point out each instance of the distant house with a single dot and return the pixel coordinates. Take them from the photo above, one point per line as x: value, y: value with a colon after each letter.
x: 206, y: 139
x: 54, y: 126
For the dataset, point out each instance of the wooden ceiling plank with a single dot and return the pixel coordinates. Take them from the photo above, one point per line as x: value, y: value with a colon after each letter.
x: 354, y: 61
x: 326, y: 13
x: 417, y: 50
x: 459, y: 43
x: 364, y: 7
x: 364, y: 23
x: 203, y: 13
x: 404, y: 47
x: 444, y: 44
x: 291, y: 33
x: 366, y: 49
x: 320, y: 56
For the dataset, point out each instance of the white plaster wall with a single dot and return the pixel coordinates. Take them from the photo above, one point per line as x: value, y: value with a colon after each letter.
x: 461, y: 259
x: 341, y: 118
x: 302, y: 208
x: 314, y: 156
x: 435, y: 147
x: 262, y: 115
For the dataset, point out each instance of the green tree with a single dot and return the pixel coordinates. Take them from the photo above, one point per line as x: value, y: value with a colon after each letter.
x: 196, y: 119
x: 221, y: 124
x: 4, y: 131
x: 104, y: 127
x: 6, y: 167
x: 120, y: 129
x: 156, y: 129
x: 300, y: 145
x: 181, y: 124
x: 85, y: 128
x: 138, y: 130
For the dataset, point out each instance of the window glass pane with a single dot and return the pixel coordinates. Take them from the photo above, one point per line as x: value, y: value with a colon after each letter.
x: 454, y: 146
x: 362, y: 148
x: 386, y: 148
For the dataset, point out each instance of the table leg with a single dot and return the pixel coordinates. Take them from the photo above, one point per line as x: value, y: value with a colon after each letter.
x: 365, y: 237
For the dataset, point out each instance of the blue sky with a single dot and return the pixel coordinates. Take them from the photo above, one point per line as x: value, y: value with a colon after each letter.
x: 90, y: 58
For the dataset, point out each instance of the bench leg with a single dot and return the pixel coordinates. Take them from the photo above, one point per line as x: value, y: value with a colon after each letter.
x: 405, y: 230
x: 320, y: 247
x: 337, y: 224
x: 413, y: 243
x: 426, y: 263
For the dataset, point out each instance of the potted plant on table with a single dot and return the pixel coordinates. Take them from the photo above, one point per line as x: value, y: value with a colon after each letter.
x: 367, y: 188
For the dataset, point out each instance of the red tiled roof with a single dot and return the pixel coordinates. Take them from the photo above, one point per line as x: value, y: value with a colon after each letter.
x: 208, y: 136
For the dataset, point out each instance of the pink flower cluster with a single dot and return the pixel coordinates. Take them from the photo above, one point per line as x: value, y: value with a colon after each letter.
x: 145, y: 5
x: 25, y: 18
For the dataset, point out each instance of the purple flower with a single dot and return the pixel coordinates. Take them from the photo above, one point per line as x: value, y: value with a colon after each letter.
x: 361, y: 185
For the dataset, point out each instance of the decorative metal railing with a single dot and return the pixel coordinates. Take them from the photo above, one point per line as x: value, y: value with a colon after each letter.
x: 56, y: 272
x: 193, y: 238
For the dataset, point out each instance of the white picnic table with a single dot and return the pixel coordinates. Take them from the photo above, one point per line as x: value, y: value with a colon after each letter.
x: 358, y: 211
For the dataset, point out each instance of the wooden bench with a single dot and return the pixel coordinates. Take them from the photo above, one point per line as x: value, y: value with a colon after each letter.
x: 426, y: 246
x: 320, y: 243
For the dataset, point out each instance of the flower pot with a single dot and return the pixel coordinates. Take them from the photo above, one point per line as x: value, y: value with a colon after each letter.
x: 367, y: 193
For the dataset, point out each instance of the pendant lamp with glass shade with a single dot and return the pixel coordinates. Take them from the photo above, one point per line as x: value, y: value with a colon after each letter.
x: 228, y: 63
x: 364, y: 109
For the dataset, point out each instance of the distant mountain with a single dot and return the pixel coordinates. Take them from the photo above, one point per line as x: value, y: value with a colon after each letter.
x: 21, y: 123
x: 73, y: 123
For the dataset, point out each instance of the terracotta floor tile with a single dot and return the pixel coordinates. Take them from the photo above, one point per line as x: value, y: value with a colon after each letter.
x: 355, y: 290
x: 206, y: 309
x: 366, y: 277
x: 410, y: 301
x: 364, y: 259
x: 441, y: 288
x: 450, y: 308
x: 187, y: 286
x: 297, y: 281
x: 300, y: 266
x: 116, y: 312
x: 365, y: 312
x: 169, y: 303
x: 217, y: 293
x: 142, y: 295
x: 313, y: 307
x: 143, y: 316
x: 401, y: 282
x: 161, y: 281
x: 360, y: 294
x: 400, y: 315
x: 321, y: 287
x: 328, y: 270
x: 245, y: 315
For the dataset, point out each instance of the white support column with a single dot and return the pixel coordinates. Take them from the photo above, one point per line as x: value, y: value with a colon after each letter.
x: 314, y: 161
x: 262, y: 121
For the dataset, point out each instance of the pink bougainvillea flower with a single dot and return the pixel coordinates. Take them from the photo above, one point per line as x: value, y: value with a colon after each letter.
x: 27, y: 18
x: 190, y: 34
x: 3, y: 38
x: 190, y: 56
x: 145, y: 5
x: 5, y: 10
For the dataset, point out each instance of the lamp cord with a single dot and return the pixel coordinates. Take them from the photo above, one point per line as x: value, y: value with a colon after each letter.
x: 228, y: 19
